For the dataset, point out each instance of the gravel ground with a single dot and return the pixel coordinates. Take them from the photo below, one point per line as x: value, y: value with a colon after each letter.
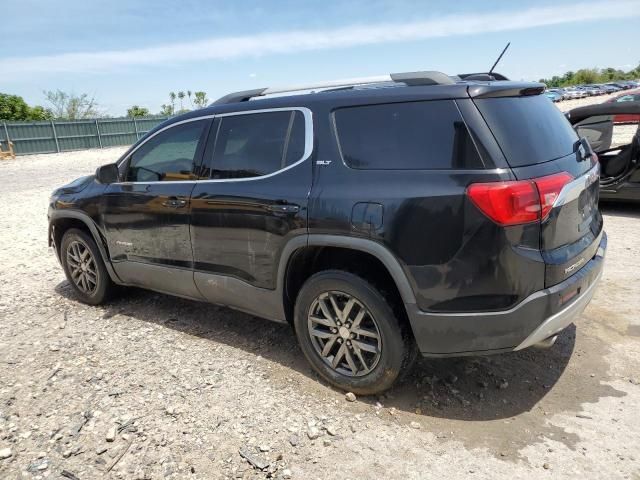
x: 152, y: 386
x: 567, y: 105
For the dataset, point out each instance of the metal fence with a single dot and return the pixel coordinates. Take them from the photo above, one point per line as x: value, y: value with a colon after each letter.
x: 63, y: 136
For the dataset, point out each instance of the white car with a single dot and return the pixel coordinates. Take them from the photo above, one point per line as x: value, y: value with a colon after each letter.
x: 573, y: 92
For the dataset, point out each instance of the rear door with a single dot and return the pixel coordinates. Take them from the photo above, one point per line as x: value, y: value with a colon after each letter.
x: 538, y: 141
x: 255, y: 198
x: 146, y: 215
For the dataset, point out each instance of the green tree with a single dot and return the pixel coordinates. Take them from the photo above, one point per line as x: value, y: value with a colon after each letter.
x: 591, y: 75
x: 136, y: 111
x: 69, y: 106
x: 166, y: 110
x: 586, y: 76
x: 13, y: 107
x: 181, y: 98
x: 567, y: 76
x: 172, y: 101
x: 41, y: 113
x: 200, y: 99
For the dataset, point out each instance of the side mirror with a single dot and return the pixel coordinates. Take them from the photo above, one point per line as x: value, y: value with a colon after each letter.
x: 108, y: 173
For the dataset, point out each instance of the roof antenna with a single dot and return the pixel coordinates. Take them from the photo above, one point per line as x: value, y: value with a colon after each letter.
x: 494, y: 65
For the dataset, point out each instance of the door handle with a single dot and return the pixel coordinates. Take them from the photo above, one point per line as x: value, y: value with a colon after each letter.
x: 174, y: 202
x: 284, y: 208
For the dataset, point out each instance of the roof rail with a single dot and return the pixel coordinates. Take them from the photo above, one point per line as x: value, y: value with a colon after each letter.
x: 408, y: 78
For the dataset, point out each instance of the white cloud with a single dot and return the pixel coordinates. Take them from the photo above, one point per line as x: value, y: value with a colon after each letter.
x: 300, y: 41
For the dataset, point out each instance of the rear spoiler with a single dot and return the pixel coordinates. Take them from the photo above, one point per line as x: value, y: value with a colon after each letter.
x: 578, y: 114
x: 505, y: 89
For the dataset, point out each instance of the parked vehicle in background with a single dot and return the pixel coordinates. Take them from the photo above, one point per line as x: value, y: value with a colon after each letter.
x: 616, y: 86
x: 553, y: 96
x: 590, y: 91
x: 627, y: 96
x: 608, y: 89
x: 557, y: 91
x: 574, y: 92
x: 378, y: 218
x: 594, y: 90
x: 619, y: 164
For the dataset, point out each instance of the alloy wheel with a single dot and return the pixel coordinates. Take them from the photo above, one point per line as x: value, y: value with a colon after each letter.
x: 344, y: 333
x: 82, y: 267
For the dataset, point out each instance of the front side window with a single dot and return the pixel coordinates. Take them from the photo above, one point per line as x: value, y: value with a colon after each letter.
x: 169, y: 156
x: 257, y: 144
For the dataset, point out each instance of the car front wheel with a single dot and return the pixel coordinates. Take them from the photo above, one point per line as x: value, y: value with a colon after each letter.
x: 350, y: 334
x: 84, y: 268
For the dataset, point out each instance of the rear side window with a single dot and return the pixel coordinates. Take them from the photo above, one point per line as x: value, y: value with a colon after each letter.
x: 529, y: 129
x: 405, y: 136
x: 252, y: 145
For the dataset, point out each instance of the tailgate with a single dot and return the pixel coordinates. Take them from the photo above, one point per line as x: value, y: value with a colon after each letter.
x: 537, y: 140
x: 571, y: 234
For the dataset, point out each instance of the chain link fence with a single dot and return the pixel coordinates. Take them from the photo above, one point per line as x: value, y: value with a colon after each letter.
x: 63, y: 136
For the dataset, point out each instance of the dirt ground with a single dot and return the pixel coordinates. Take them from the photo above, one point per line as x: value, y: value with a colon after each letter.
x: 152, y: 386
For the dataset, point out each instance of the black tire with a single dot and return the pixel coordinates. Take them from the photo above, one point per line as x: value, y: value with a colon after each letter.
x: 395, y: 350
x: 96, y: 292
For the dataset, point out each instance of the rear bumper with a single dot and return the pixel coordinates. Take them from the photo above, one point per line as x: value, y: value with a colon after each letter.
x: 538, y: 317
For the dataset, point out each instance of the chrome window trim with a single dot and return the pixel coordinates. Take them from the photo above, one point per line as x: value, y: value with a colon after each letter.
x: 181, y: 122
x: 308, y: 144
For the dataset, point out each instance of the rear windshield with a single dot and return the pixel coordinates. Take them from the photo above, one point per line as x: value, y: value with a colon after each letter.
x: 530, y: 130
x: 405, y: 136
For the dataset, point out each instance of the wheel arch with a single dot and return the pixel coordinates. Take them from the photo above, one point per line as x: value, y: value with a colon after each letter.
x: 301, y: 250
x: 61, y: 221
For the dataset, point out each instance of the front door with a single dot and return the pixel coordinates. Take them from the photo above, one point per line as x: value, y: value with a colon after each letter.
x: 254, y: 202
x: 146, y: 215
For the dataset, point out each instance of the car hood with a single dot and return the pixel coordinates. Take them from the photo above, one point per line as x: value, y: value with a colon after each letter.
x: 76, y: 186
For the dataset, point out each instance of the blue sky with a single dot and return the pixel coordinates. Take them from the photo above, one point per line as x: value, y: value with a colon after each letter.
x: 125, y: 52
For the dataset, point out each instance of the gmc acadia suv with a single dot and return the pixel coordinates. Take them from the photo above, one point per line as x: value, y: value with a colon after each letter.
x: 380, y: 217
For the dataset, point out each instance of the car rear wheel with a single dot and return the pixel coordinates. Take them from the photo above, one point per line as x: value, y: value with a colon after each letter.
x: 84, y: 268
x: 349, y: 333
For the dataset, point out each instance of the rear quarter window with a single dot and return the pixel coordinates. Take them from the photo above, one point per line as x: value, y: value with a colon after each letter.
x: 529, y: 129
x: 405, y: 136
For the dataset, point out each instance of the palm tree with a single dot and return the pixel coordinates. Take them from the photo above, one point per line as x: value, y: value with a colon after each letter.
x: 172, y: 99
x: 181, y: 97
x: 200, y: 99
x: 189, y: 95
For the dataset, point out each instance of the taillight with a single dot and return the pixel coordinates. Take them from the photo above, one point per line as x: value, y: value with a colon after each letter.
x: 549, y: 188
x: 517, y: 202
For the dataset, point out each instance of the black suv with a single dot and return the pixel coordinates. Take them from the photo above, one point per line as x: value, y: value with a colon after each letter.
x: 380, y: 218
